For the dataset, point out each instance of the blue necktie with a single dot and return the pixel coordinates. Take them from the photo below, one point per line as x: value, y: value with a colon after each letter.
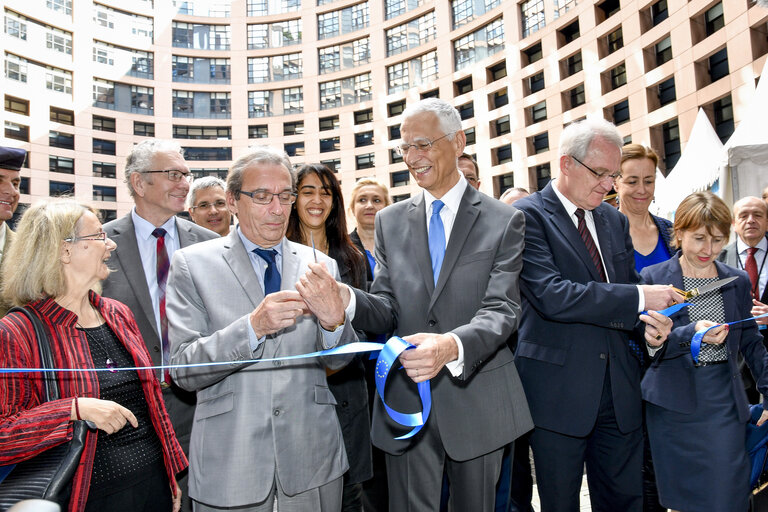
x: 436, y: 238
x: 271, y: 274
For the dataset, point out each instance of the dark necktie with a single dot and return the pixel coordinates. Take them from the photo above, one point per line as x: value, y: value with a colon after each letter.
x: 271, y: 274
x: 590, y: 243
x: 751, y: 267
x: 436, y: 238
x: 163, y: 264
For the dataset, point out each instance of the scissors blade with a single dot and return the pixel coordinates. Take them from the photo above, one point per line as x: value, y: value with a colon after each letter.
x: 314, y: 251
x: 701, y: 290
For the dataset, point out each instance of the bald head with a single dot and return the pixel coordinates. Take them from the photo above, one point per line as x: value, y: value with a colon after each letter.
x: 513, y: 194
x: 750, y: 219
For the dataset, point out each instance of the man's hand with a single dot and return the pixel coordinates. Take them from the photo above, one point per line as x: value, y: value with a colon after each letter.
x: 658, y: 296
x: 714, y: 337
x: 277, y: 311
x: 321, y: 294
x: 657, y: 328
x: 430, y: 355
x: 758, y: 308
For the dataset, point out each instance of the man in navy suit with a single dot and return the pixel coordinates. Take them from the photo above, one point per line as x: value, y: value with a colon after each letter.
x: 581, y: 301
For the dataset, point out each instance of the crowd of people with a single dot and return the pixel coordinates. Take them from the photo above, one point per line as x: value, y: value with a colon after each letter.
x: 546, y: 325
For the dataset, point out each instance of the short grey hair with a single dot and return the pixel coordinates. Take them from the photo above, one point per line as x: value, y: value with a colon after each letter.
x: 140, y: 157
x: 577, y: 137
x: 447, y: 115
x: 202, y: 184
x: 257, y: 155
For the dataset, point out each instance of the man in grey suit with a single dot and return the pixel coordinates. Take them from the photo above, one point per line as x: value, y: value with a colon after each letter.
x: 268, y: 431
x: 446, y: 280
x: 158, y: 180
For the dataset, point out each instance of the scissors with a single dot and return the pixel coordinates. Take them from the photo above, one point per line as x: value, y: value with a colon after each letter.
x: 701, y: 290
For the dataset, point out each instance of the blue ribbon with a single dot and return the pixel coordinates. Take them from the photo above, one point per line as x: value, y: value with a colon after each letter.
x: 671, y: 310
x: 697, y: 338
x: 389, y: 352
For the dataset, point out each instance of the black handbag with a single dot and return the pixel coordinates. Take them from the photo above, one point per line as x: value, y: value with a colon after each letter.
x: 47, y: 476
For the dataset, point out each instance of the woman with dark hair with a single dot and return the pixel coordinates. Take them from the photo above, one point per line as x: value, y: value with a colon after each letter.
x: 696, y: 410
x: 318, y: 217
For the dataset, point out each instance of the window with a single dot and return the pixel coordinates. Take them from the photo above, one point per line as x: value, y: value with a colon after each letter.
x: 397, y: 77
x: 258, y: 131
x: 144, y: 129
x: 606, y: 9
x: 718, y: 65
x: 142, y: 100
x: 540, y: 143
x: 364, y: 116
x: 498, y: 99
x: 400, y: 179
x: 503, y: 182
x: 535, y: 83
x: 330, y: 94
x: 219, y: 104
x: 330, y: 144
x: 202, y: 132
x: 618, y: 76
x: 274, y: 35
x: 16, y: 105
x: 329, y: 59
x: 659, y: 12
x: 671, y: 136
x: 58, y: 40
x: 293, y: 128
x: 394, y: 132
x: 470, y: 134
x: 266, y: 7
x: 16, y: 131
x: 200, y: 36
x: 363, y: 139
x: 568, y: 34
x: 103, y: 94
x: 615, y: 40
x: 537, y: 112
x: 563, y: 6
x: 294, y: 148
x: 573, y: 64
x: 63, y: 6
x: 479, y: 44
x: 103, y: 193
x: 497, y: 71
x: 328, y: 123
x: 258, y: 70
x: 532, y: 16
x: 58, y: 80
x: 464, y: 11
x: 532, y: 54
x: 15, y: 68
x: 467, y: 110
x: 259, y: 103
x: 343, y: 21
x: 463, y: 86
x: 61, y: 140
x: 333, y: 164
x: 104, y: 147
x: 713, y: 19
x: 104, y: 170
x: 287, y: 67
x: 723, y: 113
x: 182, y: 103
x: 62, y: 116
x: 105, y: 124
x: 15, y: 26
x: 58, y: 188
x: 574, y: 97
x: 542, y: 174
x: 293, y: 100
x: 410, y: 35
x: 396, y: 108
x: 667, y: 91
x: 501, y: 126
x: 620, y: 112
x: 663, y: 51
x: 365, y: 161
x: 394, y: 157
x: 502, y: 154
x: 207, y: 154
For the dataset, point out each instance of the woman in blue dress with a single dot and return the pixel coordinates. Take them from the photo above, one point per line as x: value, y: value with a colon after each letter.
x: 696, y: 412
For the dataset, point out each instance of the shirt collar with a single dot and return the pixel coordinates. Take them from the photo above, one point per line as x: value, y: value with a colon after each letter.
x: 570, y: 208
x: 144, y: 228
x: 250, y: 246
x: 742, y: 247
x: 451, y: 199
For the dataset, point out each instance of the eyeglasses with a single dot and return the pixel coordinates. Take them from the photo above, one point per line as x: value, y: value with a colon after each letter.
x: 219, y: 205
x: 174, y: 175
x: 96, y: 236
x: 261, y: 196
x: 421, y: 145
x: 599, y: 175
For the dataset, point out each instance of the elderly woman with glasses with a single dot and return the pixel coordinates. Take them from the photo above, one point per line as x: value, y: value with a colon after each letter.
x: 131, y: 459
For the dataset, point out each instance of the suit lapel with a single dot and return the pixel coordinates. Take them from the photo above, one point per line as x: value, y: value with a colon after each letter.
x: 416, y: 230
x: 186, y: 236
x: 565, y: 225
x: 129, y: 259
x: 238, y: 260
x: 289, y: 273
x: 462, y: 226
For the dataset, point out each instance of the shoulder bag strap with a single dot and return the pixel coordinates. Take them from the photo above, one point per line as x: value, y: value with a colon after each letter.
x: 44, y: 347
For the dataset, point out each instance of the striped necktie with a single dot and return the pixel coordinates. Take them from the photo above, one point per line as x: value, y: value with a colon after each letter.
x: 163, y: 265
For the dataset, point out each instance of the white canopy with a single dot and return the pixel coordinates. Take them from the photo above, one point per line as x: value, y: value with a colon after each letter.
x: 744, y: 164
x: 697, y: 169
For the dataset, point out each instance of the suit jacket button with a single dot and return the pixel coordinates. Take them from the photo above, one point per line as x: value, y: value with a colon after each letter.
x: 156, y: 348
x: 276, y: 412
x: 432, y: 323
x: 278, y: 363
x: 344, y: 403
x: 603, y: 356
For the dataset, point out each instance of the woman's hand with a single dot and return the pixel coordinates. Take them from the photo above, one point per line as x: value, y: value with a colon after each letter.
x: 176, y: 497
x: 105, y: 414
x: 715, y: 336
x: 758, y: 308
x: 763, y: 418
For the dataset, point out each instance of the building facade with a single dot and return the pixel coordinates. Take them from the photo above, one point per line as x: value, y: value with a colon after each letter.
x: 327, y: 80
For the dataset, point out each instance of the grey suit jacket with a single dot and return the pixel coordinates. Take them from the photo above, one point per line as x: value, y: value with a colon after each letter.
x: 251, y: 420
x: 476, y: 297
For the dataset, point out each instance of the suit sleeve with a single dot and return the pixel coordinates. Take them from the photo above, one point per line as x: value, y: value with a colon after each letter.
x: 499, y: 312
x: 192, y: 342
x: 559, y: 299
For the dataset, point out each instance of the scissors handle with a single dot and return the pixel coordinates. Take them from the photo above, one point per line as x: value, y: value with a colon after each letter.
x: 684, y: 293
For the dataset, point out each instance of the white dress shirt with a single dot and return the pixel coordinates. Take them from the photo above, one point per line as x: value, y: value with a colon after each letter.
x: 760, y: 260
